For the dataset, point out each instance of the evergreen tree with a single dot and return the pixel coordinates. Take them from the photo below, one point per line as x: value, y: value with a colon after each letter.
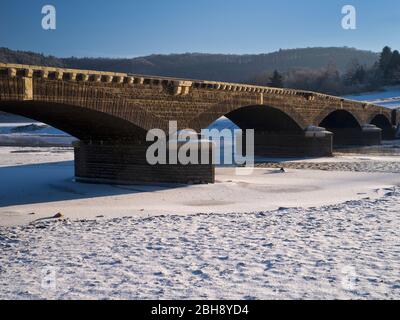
x: 384, y: 62
x: 385, y: 58
x: 361, y: 74
x: 394, y: 67
x: 356, y: 75
x: 276, y: 80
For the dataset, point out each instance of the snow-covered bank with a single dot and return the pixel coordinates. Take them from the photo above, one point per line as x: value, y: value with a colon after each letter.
x: 35, y: 140
x: 48, y: 188
x: 16, y: 156
x: 346, y: 251
x: 32, y: 134
x: 29, y: 128
x: 389, y: 97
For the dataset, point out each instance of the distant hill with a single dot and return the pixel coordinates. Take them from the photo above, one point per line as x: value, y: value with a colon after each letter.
x: 219, y: 67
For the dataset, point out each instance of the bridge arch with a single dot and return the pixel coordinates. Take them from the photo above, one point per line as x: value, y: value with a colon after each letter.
x: 334, y: 117
x: 340, y: 119
x: 379, y: 120
x: 82, y: 123
x: 348, y: 130
x: 258, y: 117
x: 264, y: 119
x: 384, y: 123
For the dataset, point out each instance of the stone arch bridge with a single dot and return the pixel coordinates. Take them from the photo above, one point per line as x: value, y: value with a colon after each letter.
x: 111, y: 113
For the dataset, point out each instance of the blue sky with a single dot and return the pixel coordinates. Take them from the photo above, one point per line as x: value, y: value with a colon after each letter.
x: 128, y: 28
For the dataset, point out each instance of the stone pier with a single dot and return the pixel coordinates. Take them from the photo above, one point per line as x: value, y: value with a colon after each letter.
x: 116, y: 163
x: 367, y: 135
x: 389, y: 133
x: 313, y: 142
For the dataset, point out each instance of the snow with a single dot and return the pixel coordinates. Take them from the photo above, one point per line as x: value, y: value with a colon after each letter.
x: 345, y: 251
x: 29, y: 128
x: 389, y: 97
x: 32, y: 134
x: 49, y: 187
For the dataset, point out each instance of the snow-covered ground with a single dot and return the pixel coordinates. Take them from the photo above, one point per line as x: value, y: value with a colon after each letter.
x: 345, y: 251
x: 38, y: 185
x: 303, y: 234
x: 389, y: 97
x: 32, y: 134
x: 28, y: 128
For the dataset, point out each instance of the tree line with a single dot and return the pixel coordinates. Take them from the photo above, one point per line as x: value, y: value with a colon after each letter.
x: 336, y: 71
x: 202, y: 66
x: 356, y: 78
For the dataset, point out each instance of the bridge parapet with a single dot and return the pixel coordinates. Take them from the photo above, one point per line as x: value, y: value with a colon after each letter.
x: 177, y: 86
